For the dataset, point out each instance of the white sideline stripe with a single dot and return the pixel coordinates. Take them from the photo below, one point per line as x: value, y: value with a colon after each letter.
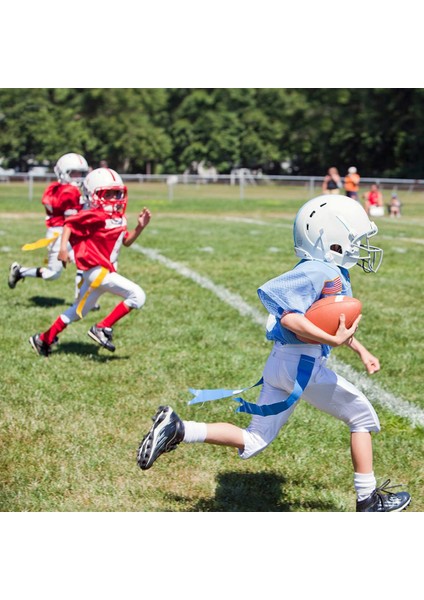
x: 249, y: 221
x: 374, y: 392
x: 222, y: 293
x: 400, y: 239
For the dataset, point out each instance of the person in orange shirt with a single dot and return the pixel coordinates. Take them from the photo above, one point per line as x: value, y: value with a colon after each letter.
x: 351, y: 183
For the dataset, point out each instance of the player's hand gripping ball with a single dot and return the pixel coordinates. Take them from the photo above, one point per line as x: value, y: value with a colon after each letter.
x: 325, y: 313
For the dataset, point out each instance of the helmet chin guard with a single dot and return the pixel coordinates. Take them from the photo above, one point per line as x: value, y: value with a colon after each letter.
x: 336, y: 229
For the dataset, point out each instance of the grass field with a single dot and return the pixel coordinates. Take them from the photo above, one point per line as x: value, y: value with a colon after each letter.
x: 71, y: 425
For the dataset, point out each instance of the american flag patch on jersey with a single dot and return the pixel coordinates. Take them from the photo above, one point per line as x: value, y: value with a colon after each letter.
x: 332, y: 287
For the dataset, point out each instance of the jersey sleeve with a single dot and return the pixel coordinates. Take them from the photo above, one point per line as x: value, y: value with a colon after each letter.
x: 49, y: 199
x: 293, y: 291
x: 69, y: 200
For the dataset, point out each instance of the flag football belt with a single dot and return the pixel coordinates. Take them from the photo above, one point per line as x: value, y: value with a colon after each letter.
x: 303, y: 375
x: 96, y: 283
x: 40, y: 243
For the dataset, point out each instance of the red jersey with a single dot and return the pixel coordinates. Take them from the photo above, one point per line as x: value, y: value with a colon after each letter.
x: 373, y: 198
x: 96, y: 238
x: 60, y: 200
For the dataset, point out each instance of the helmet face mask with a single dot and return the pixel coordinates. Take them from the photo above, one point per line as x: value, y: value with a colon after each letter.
x: 336, y: 229
x: 71, y: 169
x: 369, y: 257
x: 104, y: 189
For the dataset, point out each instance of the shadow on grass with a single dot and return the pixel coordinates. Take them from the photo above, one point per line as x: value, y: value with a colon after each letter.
x: 48, y: 301
x: 257, y: 492
x: 91, y: 350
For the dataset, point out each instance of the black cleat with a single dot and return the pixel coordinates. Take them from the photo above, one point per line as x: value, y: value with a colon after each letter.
x: 381, y: 500
x: 39, y: 346
x: 165, y: 434
x: 103, y: 336
x: 14, y: 275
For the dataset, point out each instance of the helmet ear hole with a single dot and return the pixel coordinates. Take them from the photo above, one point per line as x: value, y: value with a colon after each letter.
x: 329, y: 228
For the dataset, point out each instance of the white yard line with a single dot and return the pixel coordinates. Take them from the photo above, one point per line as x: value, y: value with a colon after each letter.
x: 399, y: 239
x: 369, y: 387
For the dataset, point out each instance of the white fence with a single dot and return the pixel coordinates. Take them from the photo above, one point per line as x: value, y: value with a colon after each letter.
x: 312, y: 183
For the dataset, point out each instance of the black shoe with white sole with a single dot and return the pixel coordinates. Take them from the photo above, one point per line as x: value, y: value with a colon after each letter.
x: 382, y: 500
x: 39, y: 346
x: 103, y: 336
x: 165, y: 434
x: 14, y: 275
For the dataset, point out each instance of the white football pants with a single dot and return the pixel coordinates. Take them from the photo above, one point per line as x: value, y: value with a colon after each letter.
x: 326, y: 390
x: 134, y: 296
x: 54, y: 266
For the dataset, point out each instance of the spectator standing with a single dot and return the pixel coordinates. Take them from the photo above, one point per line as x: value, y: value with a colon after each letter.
x: 332, y: 182
x: 351, y: 183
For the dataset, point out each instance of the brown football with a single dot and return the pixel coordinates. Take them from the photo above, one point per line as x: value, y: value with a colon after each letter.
x: 325, y: 313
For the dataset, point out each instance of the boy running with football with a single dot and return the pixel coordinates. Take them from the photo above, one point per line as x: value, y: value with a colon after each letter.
x: 96, y: 236
x: 331, y: 235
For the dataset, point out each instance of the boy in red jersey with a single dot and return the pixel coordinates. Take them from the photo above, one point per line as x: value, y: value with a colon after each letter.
x: 61, y: 199
x: 96, y: 236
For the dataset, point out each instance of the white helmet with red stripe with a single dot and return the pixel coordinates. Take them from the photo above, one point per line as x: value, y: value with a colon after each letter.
x: 103, y: 188
x: 71, y: 168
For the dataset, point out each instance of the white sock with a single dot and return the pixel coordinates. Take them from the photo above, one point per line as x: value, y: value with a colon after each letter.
x: 365, y: 484
x: 194, y: 432
x: 28, y: 271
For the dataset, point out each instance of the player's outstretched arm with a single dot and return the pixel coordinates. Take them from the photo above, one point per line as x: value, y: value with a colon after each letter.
x: 143, y: 221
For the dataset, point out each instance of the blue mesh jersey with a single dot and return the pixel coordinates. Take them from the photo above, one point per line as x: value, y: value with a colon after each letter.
x: 296, y: 290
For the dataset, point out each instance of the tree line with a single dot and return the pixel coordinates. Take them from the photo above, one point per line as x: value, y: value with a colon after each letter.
x: 301, y: 131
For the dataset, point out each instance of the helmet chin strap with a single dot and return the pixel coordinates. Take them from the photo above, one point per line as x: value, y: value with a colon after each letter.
x: 328, y: 257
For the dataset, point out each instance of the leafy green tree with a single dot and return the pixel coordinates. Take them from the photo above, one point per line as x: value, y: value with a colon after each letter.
x: 34, y: 124
x: 137, y: 130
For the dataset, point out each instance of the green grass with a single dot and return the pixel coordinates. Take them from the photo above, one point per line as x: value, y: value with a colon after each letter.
x: 71, y: 424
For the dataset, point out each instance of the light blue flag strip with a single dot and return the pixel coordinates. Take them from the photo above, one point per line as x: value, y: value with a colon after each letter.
x: 208, y: 395
x: 304, y: 371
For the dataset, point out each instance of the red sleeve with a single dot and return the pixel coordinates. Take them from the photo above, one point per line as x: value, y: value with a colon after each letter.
x: 69, y: 198
x: 49, y: 199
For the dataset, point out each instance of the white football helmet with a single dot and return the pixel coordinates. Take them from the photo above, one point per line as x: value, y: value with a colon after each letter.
x: 104, y: 188
x: 71, y: 168
x: 336, y: 229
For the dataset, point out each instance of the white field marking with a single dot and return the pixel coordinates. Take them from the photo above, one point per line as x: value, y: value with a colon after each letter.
x: 257, y: 222
x: 374, y: 392
x: 399, y: 239
x: 222, y: 293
